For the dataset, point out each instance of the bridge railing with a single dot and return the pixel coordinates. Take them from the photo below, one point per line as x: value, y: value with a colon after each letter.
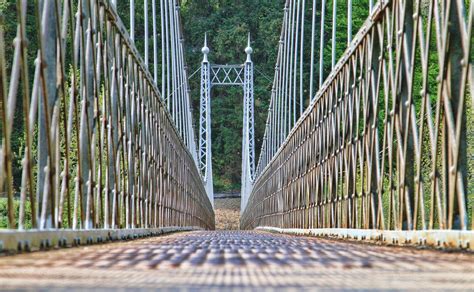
x: 387, y: 143
x: 86, y: 139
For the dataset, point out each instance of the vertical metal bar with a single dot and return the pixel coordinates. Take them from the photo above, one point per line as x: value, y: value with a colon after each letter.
x: 132, y: 20
x: 303, y: 8
x: 321, y: 42
x: 457, y: 120
x: 62, y: 59
x: 313, y: 36
x: 166, y: 33
x: 163, y: 51
x: 27, y: 175
x: 145, y: 13
x: 47, y: 101
x: 74, y: 111
x: 286, y: 80
x: 174, y: 66
x: 155, y: 43
x: 295, y: 68
x: 349, y: 22
x: 334, y: 27
x: 5, y: 150
x: 291, y: 95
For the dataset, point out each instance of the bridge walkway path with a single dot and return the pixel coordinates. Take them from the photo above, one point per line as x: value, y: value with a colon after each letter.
x: 239, y: 259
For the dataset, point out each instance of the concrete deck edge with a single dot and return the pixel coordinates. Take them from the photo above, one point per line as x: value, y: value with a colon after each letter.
x: 446, y: 239
x: 12, y: 241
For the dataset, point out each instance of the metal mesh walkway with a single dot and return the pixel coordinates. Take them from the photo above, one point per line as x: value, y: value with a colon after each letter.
x: 239, y: 259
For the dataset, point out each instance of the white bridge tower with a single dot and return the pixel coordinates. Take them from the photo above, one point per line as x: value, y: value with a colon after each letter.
x: 227, y: 75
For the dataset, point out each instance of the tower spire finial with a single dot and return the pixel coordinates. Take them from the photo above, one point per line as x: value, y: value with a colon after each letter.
x: 248, y: 49
x: 205, y: 50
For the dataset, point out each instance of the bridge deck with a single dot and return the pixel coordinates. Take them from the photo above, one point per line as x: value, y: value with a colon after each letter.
x: 239, y: 259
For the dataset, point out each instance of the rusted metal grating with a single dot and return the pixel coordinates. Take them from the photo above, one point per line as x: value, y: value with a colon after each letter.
x: 239, y: 259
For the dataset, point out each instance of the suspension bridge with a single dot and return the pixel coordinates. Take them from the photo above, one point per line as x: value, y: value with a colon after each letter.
x: 363, y: 180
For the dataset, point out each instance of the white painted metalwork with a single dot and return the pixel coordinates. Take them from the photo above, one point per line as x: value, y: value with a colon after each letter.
x: 227, y: 75
x: 205, y: 154
x: 248, y: 132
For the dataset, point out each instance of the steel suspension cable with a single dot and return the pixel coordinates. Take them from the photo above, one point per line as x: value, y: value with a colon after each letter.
x: 322, y: 43
x: 155, y: 43
x: 313, y: 37
x: 145, y: 23
x: 302, y: 37
x: 334, y: 29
